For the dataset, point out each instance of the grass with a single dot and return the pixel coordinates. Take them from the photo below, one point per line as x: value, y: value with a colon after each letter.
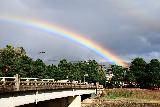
x: 140, y: 95
x: 119, y: 94
x: 126, y: 97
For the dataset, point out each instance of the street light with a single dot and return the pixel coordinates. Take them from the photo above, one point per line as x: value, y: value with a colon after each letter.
x: 41, y: 55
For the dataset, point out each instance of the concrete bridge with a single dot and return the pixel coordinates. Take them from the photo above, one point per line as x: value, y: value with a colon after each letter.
x: 16, y: 91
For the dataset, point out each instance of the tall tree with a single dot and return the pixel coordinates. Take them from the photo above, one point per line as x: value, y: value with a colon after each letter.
x: 63, y: 69
x: 92, y: 71
x: 118, y: 74
x: 38, y: 69
x: 138, y: 67
x: 9, y: 59
x: 153, y: 74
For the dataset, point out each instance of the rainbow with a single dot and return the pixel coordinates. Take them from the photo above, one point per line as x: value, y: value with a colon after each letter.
x: 51, y: 28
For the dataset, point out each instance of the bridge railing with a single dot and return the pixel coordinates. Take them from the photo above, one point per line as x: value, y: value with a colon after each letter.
x: 12, y: 84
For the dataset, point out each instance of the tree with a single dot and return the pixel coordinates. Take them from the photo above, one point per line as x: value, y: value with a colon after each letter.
x: 118, y: 74
x: 138, y: 67
x: 9, y: 59
x: 153, y: 74
x: 63, y: 68
x: 51, y: 72
x: 129, y: 78
x: 102, y: 76
x: 25, y: 66
x: 38, y: 69
x: 15, y: 61
x: 92, y: 71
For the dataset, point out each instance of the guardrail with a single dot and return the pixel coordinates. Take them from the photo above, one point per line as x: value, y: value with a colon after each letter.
x: 13, y: 84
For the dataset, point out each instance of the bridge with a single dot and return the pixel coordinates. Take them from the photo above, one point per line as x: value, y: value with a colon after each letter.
x: 33, y: 92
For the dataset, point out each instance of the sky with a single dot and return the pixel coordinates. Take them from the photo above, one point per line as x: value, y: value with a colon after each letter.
x: 128, y: 28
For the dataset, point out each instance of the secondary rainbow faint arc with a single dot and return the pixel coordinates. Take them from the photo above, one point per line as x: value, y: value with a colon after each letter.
x: 105, y: 53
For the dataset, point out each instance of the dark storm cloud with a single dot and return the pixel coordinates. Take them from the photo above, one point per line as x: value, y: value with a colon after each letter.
x: 128, y: 28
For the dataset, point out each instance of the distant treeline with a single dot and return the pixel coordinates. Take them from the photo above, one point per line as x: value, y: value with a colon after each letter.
x: 15, y: 61
x: 138, y: 74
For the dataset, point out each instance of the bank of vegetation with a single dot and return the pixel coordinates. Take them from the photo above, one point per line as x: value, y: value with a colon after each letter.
x: 125, y: 98
x: 138, y: 74
x: 16, y: 61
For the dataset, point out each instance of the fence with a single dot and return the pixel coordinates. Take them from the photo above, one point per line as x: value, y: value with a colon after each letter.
x: 13, y: 84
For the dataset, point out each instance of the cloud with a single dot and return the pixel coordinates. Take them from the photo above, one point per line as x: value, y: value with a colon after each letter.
x: 127, y: 28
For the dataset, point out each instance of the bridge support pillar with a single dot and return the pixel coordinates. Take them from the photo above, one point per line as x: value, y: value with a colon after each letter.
x: 74, y: 101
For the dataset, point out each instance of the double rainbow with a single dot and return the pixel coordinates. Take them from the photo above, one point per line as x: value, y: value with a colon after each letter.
x: 50, y: 28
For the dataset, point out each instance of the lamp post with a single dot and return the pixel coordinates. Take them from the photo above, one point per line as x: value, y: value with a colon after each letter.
x: 41, y: 55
